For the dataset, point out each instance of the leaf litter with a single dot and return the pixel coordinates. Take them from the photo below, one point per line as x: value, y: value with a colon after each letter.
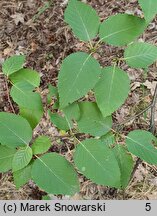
x: 46, y: 41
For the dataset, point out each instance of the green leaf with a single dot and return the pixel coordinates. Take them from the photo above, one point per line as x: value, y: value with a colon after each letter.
x: 6, y: 157
x: 140, y: 143
x: 22, y: 176
x: 79, y: 73
x: 83, y: 20
x: 22, y: 158
x: 29, y: 102
x: 60, y: 122
x: 140, y: 55
x: 97, y: 162
x: 58, y: 175
x: 108, y: 139
x: 149, y: 8
x: 121, y: 29
x: 22, y: 94
x: 92, y: 121
x: 33, y: 116
x: 41, y: 145
x: 72, y: 112
x: 112, y: 90
x: 53, y: 92
x: 27, y: 75
x: 65, y: 122
x: 14, y: 130
x: 13, y: 64
x: 126, y: 164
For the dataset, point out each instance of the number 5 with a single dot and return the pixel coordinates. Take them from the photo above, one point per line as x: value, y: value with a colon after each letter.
x: 148, y: 207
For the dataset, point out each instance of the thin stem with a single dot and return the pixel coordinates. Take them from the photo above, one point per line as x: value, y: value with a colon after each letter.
x: 91, y: 45
x: 135, y: 116
x: 97, y: 44
x: 8, y: 95
x: 152, y: 120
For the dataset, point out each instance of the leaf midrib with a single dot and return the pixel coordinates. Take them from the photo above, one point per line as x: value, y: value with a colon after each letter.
x: 117, y: 32
x: 99, y: 163
x: 141, y: 55
x: 147, y: 149
x: 110, y: 90
x: 52, y: 171
x: 14, y: 133
x: 71, y: 88
x: 84, y: 26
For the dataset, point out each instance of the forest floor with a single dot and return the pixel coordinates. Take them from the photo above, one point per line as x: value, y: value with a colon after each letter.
x: 46, y: 40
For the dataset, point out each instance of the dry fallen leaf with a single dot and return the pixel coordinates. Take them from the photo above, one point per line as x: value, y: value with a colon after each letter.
x: 77, y: 196
x: 30, y: 3
x: 130, y: 12
x: 150, y: 85
x: 152, y: 196
x: 18, y: 18
x: 133, y: 99
x: 64, y: 3
x: 7, y: 51
x: 34, y: 46
x: 135, y: 85
x: 140, y: 174
x: 154, y: 181
x: 134, y: 74
x: 120, y: 114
